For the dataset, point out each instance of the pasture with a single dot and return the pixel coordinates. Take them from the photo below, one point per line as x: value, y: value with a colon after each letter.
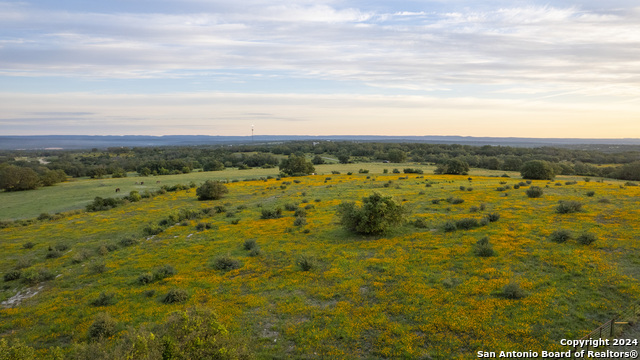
x: 416, y: 292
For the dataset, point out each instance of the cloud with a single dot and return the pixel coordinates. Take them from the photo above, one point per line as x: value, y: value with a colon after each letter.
x: 557, y: 46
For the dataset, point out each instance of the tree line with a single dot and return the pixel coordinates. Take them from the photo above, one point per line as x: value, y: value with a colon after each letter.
x: 22, y: 170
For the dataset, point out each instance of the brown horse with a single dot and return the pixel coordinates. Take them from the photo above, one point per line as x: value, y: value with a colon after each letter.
x: 117, y: 189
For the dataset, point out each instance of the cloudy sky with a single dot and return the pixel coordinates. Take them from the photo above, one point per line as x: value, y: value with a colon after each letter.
x: 553, y: 68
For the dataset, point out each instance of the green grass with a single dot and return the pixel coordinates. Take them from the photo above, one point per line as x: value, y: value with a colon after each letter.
x: 77, y: 193
x: 410, y: 293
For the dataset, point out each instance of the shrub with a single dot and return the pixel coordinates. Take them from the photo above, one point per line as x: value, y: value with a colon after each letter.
x: 211, y: 190
x: 454, y: 200
x: 175, y: 295
x: 300, y: 221
x: 102, y: 327
x: 255, y: 251
x: 604, y: 201
x: 104, y: 299
x: 435, y: 201
x: 560, y: 236
x: 463, y: 188
x: 513, y: 291
x: 484, y: 248
x: 586, y: 238
x: 467, y: 223
x: 567, y: 207
x: 151, y: 230
x: 98, y: 267
x: 420, y: 223
x: 53, y: 254
x: 516, y: 186
x: 473, y: 209
x: 12, y: 275
x: 629, y: 183
x: 164, y: 271
x: 250, y: 244
x: 493, y: 217
x: 534, y: 192
x: 145, y: 278
x: 128, y: 241
x: 305, y: 263
x: 377, y: 214
x: 309, y: 207
x: 300, y: 212
x: 449, y: 226
x: 28, y: 245
x: 149, y: 293
x: 290, y: 207
x: 81, y: 256
x: 591, y: 193
x: 501, y: 188
x: 271, y: 213
x: 202, y: 226
x: 134, y: 196
x: 226, y: 263
x: 537, y: 170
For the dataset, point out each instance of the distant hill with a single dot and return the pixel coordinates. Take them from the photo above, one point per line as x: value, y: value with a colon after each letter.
x: 93, y: 141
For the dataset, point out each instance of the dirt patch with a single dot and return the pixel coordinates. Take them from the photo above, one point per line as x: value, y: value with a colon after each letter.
x: 16, y: 299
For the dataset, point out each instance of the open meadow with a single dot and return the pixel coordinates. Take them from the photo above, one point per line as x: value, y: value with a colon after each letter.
x: 302, y: 286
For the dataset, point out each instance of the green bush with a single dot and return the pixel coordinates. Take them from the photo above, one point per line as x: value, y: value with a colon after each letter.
x: 127, y: 242
x: 175, y: 295
x: 591, y: 193
x: 12, y: 275
x: 97, y: 267
x: 493, y: 217
x: 454, y: 200
x: 211, y: 190
x: 255, y: 251
x: 467, y: 223
x: 164, y: 271
x: 145, y: 278
x: 449, y: 226
x: 561, y: 235
x: 420, y: 223
x: 290, y: 207
x: 203, y: 226
x: 377, y: 214
x: 104, y: 299
x: 250, y: 244
x: 534, y: 192
x: 300, y: 212
x: 271, y: 213
x: 453, y: 167
x: 300, y: 221
x: 513, y: 291
x: 102, y: 327
x: 586, y: 238
x: 567, y: 207
x: 305, y: 263
x: 484, y: 248
x: 151, y: 230
x: 226, y: 263
x: 28, y: 245
x: 53, y: 254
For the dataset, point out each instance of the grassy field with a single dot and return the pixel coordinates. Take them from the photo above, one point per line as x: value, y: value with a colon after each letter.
x: 77, y: 193
x: 417, y: 292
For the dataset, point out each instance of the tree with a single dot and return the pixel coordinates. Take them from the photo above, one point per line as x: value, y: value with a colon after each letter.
x: 317, y: 160
x: 453, y: 167
x: 343, y: 157
x: 213, y: 165
x: 211, y: 190
x: 537, y: 170
x: 396, y: 156
x: 296, y: 166
x: 377, y: 214
x: 15, y: 178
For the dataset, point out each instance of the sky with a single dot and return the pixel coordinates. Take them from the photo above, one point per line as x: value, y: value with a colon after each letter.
x: 500, y: 68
